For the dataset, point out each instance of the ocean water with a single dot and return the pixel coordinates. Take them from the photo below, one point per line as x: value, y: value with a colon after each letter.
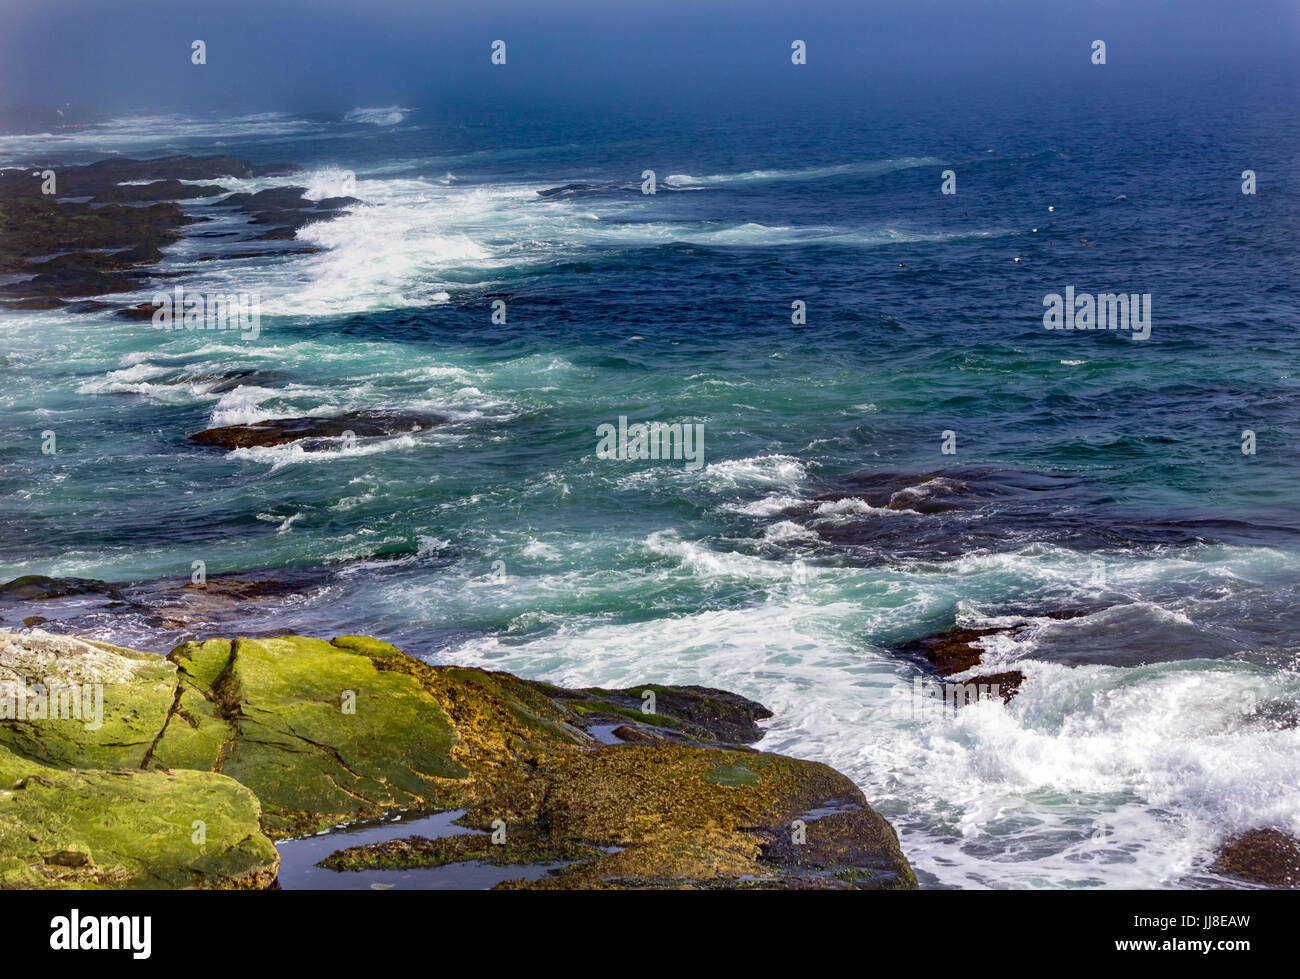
x: 1095, y: 477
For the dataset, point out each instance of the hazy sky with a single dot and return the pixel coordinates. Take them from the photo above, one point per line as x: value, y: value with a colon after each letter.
x: 296, y: 55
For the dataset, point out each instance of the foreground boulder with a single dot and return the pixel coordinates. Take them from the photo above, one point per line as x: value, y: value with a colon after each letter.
x: 291, y: 735
x: 683, y: 816
x: 74, y: 809
x: 631, y: 816
x: 90, y: 829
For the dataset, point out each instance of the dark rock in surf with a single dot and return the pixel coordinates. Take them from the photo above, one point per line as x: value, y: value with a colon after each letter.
x: 61, y: 232
x: 30, y: 228
x: 956, y: 651
x: 35, y: 302
x: 953, y: 651
x: 285, y: 208
x: 158, y: 190
x: 39, y: 587
x: 1262, y: 856
x: 104, y: 180
x: 313, y: 431
x: 691, y: 713
x: 1005, y: 685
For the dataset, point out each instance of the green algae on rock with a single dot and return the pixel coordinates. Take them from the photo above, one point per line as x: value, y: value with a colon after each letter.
x: 275, y: 737
x: 319, y: 733
x: 76, y: 810
x: 625, y: 816
x: 684, y: 816
x: 419, y: 851
x: 125, y: 828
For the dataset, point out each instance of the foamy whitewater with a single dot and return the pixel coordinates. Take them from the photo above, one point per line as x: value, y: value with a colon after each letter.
x: 1094, y: 478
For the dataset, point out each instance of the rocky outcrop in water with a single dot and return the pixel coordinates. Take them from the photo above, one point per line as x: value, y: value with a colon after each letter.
x: 1262, y: 856
x: 89, y: 237
x: 310, y: 431
x: 958, y: 651
x: 158, y: 179
x: 285, y: 208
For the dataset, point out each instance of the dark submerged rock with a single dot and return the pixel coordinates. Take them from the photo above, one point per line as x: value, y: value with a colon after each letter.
x: 39, y: 587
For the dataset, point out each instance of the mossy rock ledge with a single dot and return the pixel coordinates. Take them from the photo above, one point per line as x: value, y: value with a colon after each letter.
x: 199, y: 759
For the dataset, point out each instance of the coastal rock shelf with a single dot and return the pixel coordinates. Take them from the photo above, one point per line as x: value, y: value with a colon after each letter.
x: 86, y: 231
x: 179, y: 771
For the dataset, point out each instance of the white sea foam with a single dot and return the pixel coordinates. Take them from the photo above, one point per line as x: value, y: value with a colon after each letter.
x: 389, y: 115
x: 852, y: 506
x: 767, y: 506
x: 787, y: 530
x: 279, y: 456
x: 246, y: 405
x: 1097, y: 774
x: 133, y: 133
x: 413, y: 242
x: 809, y: 173
x: 756, y: 471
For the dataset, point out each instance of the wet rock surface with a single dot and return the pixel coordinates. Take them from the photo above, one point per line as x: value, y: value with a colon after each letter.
x: 39, y: 587
x: 701, y: 714
x: 286, y: 209
x: 1262, y: 856
x: 312, y: 429
x: 958, y: 651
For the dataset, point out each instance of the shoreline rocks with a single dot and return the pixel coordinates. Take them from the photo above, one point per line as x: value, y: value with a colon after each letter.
x: 270, y: 738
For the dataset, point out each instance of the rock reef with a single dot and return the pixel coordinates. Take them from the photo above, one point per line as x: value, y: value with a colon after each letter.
x: 81, y: 231
x: 310, y: 430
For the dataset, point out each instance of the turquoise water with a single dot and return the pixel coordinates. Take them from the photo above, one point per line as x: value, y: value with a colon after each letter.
x: 1093, y: 474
